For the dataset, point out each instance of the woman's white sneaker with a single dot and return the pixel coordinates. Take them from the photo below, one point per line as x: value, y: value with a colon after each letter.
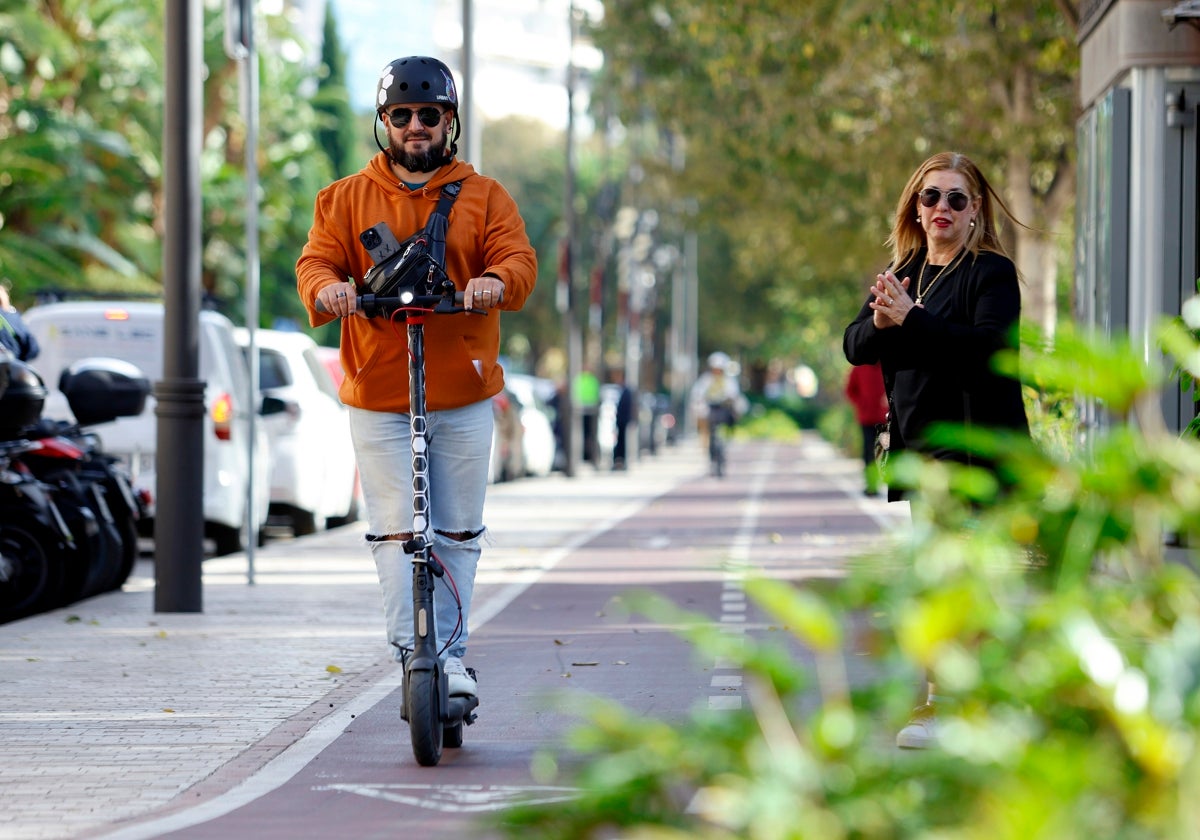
x: 921, y: 732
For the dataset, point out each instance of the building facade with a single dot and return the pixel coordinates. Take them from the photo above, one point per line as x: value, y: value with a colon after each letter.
x: 1136, y: 216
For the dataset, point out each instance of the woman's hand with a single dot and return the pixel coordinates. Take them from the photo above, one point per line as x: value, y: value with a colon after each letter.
x: 892, y: 303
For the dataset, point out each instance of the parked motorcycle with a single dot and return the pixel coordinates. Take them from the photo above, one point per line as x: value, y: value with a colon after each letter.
x: 99, y: 390
x: 35, y: 542
x: 68, y: 514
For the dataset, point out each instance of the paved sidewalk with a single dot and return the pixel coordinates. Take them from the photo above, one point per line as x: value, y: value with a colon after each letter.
x: 110, y: 711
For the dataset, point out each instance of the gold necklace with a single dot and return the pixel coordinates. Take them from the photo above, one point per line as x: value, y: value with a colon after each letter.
x: 921, y: 277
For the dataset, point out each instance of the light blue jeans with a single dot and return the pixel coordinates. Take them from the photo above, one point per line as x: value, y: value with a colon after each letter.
x: 460, y: 446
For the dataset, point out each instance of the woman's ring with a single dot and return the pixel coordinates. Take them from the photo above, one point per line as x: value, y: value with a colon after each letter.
x: 341, y: 294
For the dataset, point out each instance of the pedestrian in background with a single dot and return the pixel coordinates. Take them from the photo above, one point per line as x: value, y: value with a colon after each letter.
x: 586, y: 394
x: 865, y: 391
x: 622, y: 417
x: 948, y: 301
x: 490, y: 260
x: 13, y: 333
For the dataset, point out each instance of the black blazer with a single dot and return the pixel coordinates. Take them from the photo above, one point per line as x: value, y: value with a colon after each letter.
x: 937, y: 364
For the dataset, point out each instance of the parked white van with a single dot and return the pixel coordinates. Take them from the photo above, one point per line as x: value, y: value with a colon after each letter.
x: 133, y: 331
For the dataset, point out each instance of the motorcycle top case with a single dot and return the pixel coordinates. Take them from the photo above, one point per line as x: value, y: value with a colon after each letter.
x: 100, y: 390
x: 22, y: 401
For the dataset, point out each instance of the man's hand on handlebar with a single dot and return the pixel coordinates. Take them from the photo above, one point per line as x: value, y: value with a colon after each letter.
x: 484, y: 292
x: 340, y: 299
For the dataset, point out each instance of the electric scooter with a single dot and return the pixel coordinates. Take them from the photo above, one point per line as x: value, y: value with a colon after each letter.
x: 435, y: 719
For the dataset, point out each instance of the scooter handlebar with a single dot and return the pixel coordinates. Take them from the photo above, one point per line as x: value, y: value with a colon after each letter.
x: 373, y: 305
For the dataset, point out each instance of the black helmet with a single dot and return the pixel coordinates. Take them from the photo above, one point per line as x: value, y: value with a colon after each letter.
x: 416, y: 78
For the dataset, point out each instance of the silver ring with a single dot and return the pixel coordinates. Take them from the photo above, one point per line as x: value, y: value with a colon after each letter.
x: 890, y: 301
x: 479, y: 294
x: 341, y: 294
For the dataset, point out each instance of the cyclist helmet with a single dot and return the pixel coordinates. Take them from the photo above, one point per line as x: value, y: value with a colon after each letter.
x: 718, y: 360
x: 417, y: 78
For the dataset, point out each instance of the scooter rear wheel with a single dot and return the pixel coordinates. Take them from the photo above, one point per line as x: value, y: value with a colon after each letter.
x: 424, y: 716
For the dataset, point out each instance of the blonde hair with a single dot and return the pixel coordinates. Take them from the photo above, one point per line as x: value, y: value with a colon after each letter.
x: 908, y: 237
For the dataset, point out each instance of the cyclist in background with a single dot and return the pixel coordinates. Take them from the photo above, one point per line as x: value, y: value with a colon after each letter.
x: 717, y: 401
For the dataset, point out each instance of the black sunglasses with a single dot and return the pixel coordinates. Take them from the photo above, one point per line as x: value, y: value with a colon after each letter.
x: 957, y: 199
x: 400, y: 117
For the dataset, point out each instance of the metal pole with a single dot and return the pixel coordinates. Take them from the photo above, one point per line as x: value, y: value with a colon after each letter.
x: 692, y: 343
x: 249, y: 103
x: 569, y: 414
x: 474, y: 130
x: 179, y: 519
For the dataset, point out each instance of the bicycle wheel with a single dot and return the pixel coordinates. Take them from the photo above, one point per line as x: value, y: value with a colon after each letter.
x: 716, y: 452
x: 424, y: 716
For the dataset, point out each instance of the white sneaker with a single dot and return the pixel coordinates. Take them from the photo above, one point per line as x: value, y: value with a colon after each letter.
x: 921, y: 732
x: 461, y: 684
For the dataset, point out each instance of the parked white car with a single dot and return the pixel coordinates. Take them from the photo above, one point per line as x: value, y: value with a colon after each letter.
x: 133, y: 331
x: 538, y: 440
x: 313, y: 470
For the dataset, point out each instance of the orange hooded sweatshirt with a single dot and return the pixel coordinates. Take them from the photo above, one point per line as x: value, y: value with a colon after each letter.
x: 485, y: 235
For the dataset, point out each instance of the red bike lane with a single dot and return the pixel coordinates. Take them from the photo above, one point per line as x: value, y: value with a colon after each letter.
x: 783, y: 511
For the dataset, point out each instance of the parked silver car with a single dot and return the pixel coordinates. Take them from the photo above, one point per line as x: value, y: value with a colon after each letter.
x: 313, y: 471
x: 538, y: 441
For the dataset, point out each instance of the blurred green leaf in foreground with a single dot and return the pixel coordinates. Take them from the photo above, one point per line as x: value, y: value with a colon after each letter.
x: 1066, y: 638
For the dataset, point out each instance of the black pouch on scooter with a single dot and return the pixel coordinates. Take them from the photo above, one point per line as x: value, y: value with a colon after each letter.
x: 418, y: 263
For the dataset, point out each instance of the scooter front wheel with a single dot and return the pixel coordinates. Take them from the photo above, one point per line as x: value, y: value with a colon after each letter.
x: 424, y: 716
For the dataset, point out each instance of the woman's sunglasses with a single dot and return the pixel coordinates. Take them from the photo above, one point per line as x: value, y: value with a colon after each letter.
x: 957, y: 199
x: 401, y: 117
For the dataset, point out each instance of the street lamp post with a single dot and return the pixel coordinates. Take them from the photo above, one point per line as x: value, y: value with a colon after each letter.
x: 179, y: 521
x: 568, y: 413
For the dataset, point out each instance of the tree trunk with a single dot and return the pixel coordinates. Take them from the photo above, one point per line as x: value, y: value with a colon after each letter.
x: 1038, y: 268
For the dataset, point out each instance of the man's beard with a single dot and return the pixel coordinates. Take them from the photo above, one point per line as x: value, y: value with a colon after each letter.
x: 425, y: 161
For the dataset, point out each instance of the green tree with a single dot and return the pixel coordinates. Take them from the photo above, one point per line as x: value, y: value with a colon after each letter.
x: 292, y: 167
x: 79, y: 131
x: 801, y: 122
x: 81, y: 101
x: 337, y: 134
x: 529, y: 158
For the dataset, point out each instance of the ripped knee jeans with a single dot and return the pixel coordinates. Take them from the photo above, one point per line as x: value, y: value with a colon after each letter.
x: 460, y: 445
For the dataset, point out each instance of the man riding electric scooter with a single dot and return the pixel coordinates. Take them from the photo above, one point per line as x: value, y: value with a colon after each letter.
x: 488, y: 258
